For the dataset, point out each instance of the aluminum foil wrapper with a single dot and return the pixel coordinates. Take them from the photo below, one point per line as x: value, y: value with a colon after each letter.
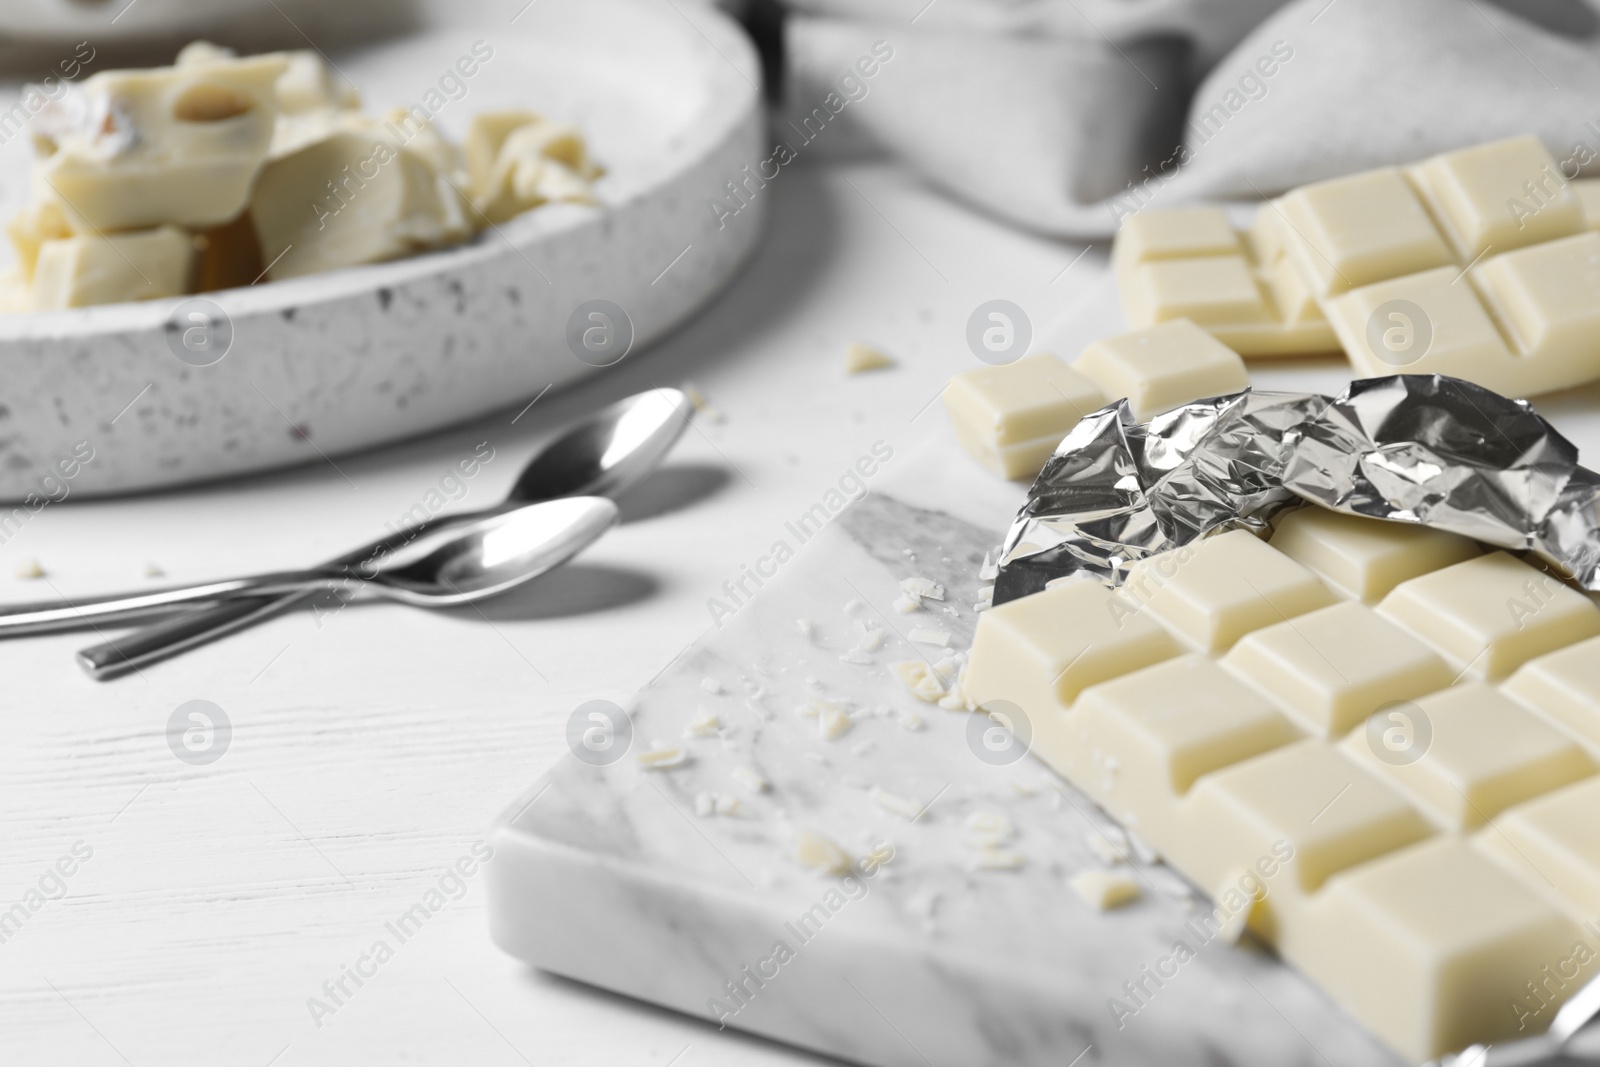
x: 1423, y: 449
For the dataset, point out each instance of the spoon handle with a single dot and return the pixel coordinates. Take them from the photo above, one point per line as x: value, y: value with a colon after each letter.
x: 198, y: 626
x: 151, y: 644
x: 21, y: 619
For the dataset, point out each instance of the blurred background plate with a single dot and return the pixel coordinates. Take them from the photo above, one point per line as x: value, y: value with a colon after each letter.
x: 102, y: 20
x: 669, y: 99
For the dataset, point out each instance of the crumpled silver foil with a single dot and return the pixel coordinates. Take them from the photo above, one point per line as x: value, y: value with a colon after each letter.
x: 1423, y: 449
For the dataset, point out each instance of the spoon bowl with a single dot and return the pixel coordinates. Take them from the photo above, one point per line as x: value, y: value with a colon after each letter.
x: 609, y: 451
x: 498, y: 553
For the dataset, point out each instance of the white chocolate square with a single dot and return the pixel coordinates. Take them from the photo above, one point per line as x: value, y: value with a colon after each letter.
x: 1353, y: 231
x: 1454, y: 335
x: 1209, y: 290
x: 1335, y: 666
x: 1010, y: 418
x: 1040, y: 651
x: 89, y: 269
x: 1430, y: 945
x: 1366, y: 558
x: 1161, y: 367
x: 1564, y: 687
x: 1553, y: 842
x: 1215, y: 592
x: 1166, y: 725
x: 1491, y: 614
x: 1545, y: 296
x: 1474, y: 753
x: 1334, y: 814
x: 1185, y: 232
x: 1501, y: 195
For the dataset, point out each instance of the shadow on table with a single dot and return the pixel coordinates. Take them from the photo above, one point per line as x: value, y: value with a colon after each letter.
x: 672, y: 488
x: 576, y: 589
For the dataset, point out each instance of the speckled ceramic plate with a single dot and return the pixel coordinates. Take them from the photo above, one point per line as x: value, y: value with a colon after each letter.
x: 358, y: 357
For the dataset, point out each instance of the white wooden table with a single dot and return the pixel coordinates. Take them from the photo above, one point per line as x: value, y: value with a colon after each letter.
x: 373, y: 744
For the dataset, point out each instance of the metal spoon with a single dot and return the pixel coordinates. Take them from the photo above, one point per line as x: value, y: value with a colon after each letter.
x: 475, y: 560
x: 602, y: 454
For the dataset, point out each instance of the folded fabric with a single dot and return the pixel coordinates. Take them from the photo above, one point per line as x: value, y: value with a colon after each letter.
x: 1065, y: 116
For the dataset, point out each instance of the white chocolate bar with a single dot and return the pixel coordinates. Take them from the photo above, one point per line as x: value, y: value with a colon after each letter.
x: 1341, y: 732
x: 1482, y: 263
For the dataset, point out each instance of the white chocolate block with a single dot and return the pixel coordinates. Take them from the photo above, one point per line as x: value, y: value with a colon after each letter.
x: 1335, y: 666
x: 1491, y: 614
x: 1179, y: 234
x: 1010, y: 418
x: 86, y: 270
x: 1430, y: 946
x: 1481, y: 754
x: 1500, y: 196
x: 1040, y: 651
x: 1454, y: 333
x: 1181, y: 718
x: 1213, y: 291
x: 1553, y: 843
x: 1333, y: 813
x: 1364, y: 228
x: 1366, y: 558
x: 1161, y: 367
x: 1191, y: 264
x: 1215, y: 592
x: 1138, y: 743
x: 1564, y: 687
x: 352, y: 197
x: 1544, y: 297
x: 171, y: 146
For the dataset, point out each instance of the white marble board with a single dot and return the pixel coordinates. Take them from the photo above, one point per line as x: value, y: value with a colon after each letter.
x: 608, y: 875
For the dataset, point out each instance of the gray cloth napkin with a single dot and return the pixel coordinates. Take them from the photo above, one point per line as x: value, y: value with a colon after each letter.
x: 1065, y: 116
